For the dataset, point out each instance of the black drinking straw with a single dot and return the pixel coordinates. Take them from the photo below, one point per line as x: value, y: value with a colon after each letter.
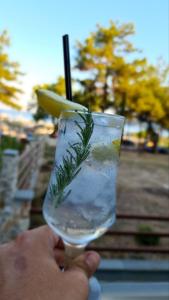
x: 67, y: 67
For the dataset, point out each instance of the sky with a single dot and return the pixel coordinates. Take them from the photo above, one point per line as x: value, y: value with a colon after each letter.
x: 36, y: 28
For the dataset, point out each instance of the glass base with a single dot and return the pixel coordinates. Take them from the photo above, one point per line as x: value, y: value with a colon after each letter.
x: 72, y: 251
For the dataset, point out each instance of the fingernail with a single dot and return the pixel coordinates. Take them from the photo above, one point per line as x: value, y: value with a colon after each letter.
x: 92, y: 259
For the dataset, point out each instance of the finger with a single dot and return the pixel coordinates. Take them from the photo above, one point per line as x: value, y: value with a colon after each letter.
x: 59, y: 257
x: 60, y: 244
x: 42, y: 237
x: 86, y: 263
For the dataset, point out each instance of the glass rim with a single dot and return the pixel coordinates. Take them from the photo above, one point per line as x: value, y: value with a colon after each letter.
x: 95, y: 114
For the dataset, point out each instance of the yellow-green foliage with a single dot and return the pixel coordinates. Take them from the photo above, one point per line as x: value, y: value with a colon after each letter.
x: 9, y: 73
x: 132, y: 86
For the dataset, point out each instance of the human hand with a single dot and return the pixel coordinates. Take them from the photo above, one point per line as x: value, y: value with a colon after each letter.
x: 29, y: 269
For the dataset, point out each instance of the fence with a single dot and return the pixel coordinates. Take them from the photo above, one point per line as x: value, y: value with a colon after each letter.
x: 29, y: 163
x: 139, y: 249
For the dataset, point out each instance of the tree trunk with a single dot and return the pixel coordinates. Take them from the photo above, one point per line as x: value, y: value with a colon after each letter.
x: 123, y: 104
x: 152, y: 136
x: 140, y: 144
x: 105, y: 92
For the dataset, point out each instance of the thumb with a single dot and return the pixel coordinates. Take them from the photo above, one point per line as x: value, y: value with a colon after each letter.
x: 86, y: 263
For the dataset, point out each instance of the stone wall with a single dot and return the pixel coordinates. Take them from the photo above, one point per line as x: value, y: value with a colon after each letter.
x: 16, y: 203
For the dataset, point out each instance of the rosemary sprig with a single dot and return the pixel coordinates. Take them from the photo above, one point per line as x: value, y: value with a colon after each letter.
x: 76, y: 154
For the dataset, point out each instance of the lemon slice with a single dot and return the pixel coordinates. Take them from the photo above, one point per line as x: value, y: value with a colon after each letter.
x: 54, y: 104
x: 106, y: 152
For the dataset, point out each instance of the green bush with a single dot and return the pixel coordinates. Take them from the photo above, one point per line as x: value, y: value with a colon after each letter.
x: 8, y: 142
x: 147, y: 240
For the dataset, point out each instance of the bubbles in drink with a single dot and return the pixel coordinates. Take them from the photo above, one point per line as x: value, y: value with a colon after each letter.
x: 88, y: 205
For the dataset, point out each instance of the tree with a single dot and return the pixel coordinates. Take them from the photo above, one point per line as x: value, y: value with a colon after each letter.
x: 133, y: 87
x: 143, y: 95
x: 58, y: 87
x: 9, y: 74
x: 86, y: 95
x: 104, y: 54
x: 148, y: 98
x: 164, y: 98
x: 163, y: 92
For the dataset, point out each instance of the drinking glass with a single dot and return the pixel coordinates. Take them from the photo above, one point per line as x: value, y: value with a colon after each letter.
x: 80, y: 201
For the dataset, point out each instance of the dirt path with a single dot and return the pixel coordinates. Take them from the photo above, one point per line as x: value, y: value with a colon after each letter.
x: 143, y: 184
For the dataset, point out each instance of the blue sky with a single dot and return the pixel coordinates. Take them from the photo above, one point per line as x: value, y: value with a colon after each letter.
x: 36, y: 29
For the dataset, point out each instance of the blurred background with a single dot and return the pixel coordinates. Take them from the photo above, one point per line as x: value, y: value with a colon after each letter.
x: 119, y: 58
